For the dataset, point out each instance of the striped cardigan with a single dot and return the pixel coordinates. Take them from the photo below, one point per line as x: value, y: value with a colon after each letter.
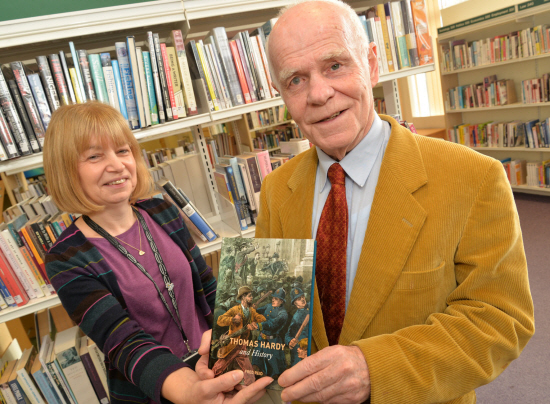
x: 87, y: 287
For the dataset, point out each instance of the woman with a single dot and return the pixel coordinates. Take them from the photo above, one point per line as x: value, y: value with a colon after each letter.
x: 128, y: 271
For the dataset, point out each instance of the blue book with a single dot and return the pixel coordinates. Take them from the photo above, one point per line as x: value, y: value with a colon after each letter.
x: 15, y: 386
x: 119, y: 90
x: 78, y: 72
x: 6, y: 295
x: 127, y: 84
x: 242, y: 211
x: 45, y: 386
x: 150, y: 87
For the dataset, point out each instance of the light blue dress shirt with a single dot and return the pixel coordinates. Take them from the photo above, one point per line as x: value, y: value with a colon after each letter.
x: 362, y: 167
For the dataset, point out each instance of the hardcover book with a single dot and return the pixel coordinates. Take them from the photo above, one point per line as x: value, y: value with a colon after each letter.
x: 262, y: 316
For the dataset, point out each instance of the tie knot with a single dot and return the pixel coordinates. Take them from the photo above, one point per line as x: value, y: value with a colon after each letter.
x: 336, y: 174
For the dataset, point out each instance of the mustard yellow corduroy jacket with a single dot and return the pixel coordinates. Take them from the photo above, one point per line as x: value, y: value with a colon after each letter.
x: 441, y: 303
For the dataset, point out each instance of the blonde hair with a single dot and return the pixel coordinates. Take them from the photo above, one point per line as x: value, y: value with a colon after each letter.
x: 69, y: 134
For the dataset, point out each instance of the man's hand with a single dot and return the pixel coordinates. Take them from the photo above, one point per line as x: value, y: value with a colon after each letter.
x: 336, y: 374
x: 292, y: 343
x: 252, y: 326
x: 237, y: 319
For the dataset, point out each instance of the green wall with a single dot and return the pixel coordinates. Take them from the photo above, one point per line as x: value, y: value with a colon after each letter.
x: 16, y: 9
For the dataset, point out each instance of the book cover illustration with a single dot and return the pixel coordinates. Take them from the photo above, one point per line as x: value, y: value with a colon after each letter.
x: 262, y: 317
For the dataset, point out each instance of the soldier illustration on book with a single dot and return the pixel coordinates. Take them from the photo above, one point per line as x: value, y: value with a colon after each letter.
x: 241, y: 259
x: 271, y: 330
x: 241, y: 319
x: 251, y: 265
x: 298, y: 328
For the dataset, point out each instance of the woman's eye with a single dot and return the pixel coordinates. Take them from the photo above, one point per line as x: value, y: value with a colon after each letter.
x: 335, y: 66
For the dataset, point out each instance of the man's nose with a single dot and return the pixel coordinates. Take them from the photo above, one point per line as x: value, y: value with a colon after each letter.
x: 320, y: 90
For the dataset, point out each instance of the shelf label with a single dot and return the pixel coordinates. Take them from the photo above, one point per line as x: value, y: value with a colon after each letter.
x: 481, y: 18
x: 531, y: 4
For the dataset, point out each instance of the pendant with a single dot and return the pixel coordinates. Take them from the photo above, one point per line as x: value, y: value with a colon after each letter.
x: 170, y: 286
x: 141, y: 252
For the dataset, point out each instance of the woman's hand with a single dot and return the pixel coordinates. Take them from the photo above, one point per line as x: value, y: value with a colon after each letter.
x: 185, y: 386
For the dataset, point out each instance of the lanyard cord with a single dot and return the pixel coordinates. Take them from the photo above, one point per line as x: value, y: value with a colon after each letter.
x: 162, y: 268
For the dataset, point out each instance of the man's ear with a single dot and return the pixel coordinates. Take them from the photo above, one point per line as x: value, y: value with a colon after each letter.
x: 372, y: 57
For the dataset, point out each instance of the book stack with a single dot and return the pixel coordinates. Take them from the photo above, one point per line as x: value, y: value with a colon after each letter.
x: 531, y: 134
x: 529, y: 42
x: 535, y: 90
x: 400, y: 31
x: 490, y: 93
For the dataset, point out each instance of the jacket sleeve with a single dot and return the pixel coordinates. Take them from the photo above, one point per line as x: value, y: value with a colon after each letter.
x: 488, y: 319
x: 80, y: 276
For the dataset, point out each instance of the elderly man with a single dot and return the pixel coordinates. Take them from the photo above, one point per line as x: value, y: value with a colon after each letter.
x: 422, y: 291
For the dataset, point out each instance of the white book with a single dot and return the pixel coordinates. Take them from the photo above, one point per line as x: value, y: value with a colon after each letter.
x: 29, y: 282
x: 46, y: 347
x: 138, y: 91
x: 221, y: 83
x: 156, y: 78
x: 186, y: 83
x: 25, y: 380
x: 111, y: 87
x: 143, y: 84
x: 248, y: 186
x: 259, y: 65
x: 382, y: 47
x: 66, y: 349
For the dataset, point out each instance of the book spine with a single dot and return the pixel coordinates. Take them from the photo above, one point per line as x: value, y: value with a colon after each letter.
x: 33, y: 253
x: 207, y: 76
x: 185, y: 75
x: 46, y: 388
x: 195, y: 67
x: 40, y: 98
x: 79, y: 79
x: 411, y: 36
x: 246, y: 70
x: 8, y: 394
x: 176, y: 81
x: 156, y: 78
x: 259, y: 66
x: 58, y: 383
x: 150, y: 87
x: 22, y: 114
x: 219, y: 85
x: 181, y: 203
x: 136, y: 82
x: 240, y: 209
x: 255, y: 178
x: 14, y: 286
x: 94, y: 378
x: 30, y: 104
x: 18, y: 392
x: 64, y: 383
x: 263, y: 56
x: 59, y: 79
x: 144, y: 88
x: 168, y: 77
x: 43, y: 282
x: 77, y: 379
x: 247, y: 186
x: 7, y: 139
x: 226, y: 60
x: 74, y: 81
x: 109, y: 76
x: 128, y: 88
x: 67, y: 76
x: 8, y: 299
x: 86, y: 75
x: 162, y: 78
x: 399, y: 30
x: 254, y: 74
x: 48, y: 82
x: 28, y: 387
x: 119, y: 89
x: 99, y: 360
x: 96, y: 70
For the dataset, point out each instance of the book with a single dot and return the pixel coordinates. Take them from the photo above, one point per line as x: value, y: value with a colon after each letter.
x: 240, y: 72
x: 408, y: 23
x: 423, y: 38
x: 12, y: 282
x: 9, y: 148
x: 40, y: 98
x: 187, y: 208
x: 66, y: 348
x: 22, y: 115
x: 15, y: 385
x: 109, y: 78
x: 98, y: 78
x: 67, y: 76
x: 23, y: 371
x: 400, y: 34
x: 48, y: 82
x: 59, y: 79
x: 98, y: 358
x: 86, y: 74
x: 263, y: 161
x: 119, y: 88
x: 148, y: 72
x: 9, y: 398
x: 92, y: 372
x: 74, y: 81
x: 45, y: 385
x: 185, y: 76
x: 127, y: 84
x: 280, y: 314
x: 168, y: 78
x: 144, y: 88
x: 156, y: 78
x: 143, y: 118
x: 168, y: 108
x: 45, y: 358
x: 79, y: 85
x: 196, y: 71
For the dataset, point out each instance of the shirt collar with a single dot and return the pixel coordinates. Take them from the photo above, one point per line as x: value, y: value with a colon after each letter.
x: 358, y: 162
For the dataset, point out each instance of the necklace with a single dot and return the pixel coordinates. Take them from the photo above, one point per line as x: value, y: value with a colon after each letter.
x: 141, y: 252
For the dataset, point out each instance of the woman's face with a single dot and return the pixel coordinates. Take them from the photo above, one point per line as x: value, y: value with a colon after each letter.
x: 107, y: 173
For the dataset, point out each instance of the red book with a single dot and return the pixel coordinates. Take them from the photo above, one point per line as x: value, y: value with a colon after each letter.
x: 12, y: 282
x: 37, y: 261
x: 240, y: 72
x: 168, y: 71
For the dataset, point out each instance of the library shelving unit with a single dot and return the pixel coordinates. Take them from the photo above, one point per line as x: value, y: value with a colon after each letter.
x: 98, y: 29
x: 501, y: 22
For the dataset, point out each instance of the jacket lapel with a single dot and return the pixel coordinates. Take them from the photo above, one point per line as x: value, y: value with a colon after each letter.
x: 394, y: 224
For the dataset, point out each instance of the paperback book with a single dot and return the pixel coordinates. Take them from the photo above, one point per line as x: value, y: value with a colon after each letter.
x: 262, y: 316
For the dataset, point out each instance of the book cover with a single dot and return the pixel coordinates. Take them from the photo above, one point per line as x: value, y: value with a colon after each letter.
x: 423, y: 38
x: 40, y: 98
x: 109, y: 77
x: 22, y: 115
x: 59, y: 79
x: 262, y: 316
x: 86, y: 74
x: 127, y: 84
x: 156, y: 78
x: 168, y: 77
x: 96, y: 71
x: 23, y: 371
x: 8, y: 142
x: 119, y: 88
x: 162, y: 78
x: 240, y: 72
x: 185, y: 76
x: 45, y: 385
x: 48, y: 82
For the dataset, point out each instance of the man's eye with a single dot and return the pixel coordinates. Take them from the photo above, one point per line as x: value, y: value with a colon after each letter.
x: 335, y: 66
x: 295, y: 81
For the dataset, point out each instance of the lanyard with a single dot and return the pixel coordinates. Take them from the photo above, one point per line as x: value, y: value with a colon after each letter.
x: 169, y: 285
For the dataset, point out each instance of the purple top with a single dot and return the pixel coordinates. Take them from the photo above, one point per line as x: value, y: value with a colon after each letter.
x: 141, y: 297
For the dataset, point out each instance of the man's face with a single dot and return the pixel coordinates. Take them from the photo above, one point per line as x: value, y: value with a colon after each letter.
x: 247, y: 298
x: 300, y: 303
x: 276, y: 302
x: 323, y: 76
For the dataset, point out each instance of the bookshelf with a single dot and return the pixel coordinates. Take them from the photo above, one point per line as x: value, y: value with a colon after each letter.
x: 97, y: 29
x: 518, y: 17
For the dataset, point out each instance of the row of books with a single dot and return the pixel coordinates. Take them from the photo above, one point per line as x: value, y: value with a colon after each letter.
x: 532, y: 134
x: 400, y: 31
x: 271, y: 139
x: 68, y: 369
x: 490, y: 93
x: 460, y: 54
x: 380, y: 105
x: 267, y: 117
x: 32, y: 229
x: 35, y: 187
x: 535, y: 90
x: 533, y: 174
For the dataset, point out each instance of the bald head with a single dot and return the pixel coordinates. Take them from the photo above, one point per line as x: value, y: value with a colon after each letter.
x: 312, y: 14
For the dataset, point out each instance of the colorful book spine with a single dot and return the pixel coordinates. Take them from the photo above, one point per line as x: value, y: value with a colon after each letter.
x: 144, y: 119
x: 224, y: 52
x: 48, y: 82
x: 207, y: 77
x: 162, y: 78
x: 150, y: 87
x: 40, y: 98
x: 22, y: 114
x: 156, y: 79
x: 86, y: 74
x: 67, y: 76
x: 144, y: 89
x: 10, y: 123
x: 128, y: 87
x: 196, y: 70
x: 96, y: 71
x: 79, y: 80
x: 168, y: 76
x: 119, y: 89
x: 109, y: 77
x: 185, y: 76
x: 246, y: 69
x: 74, y: 81
x: 240, y: 72
x: 59, y: 79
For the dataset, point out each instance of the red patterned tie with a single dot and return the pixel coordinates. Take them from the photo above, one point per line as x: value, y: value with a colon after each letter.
x: 332, y: 240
